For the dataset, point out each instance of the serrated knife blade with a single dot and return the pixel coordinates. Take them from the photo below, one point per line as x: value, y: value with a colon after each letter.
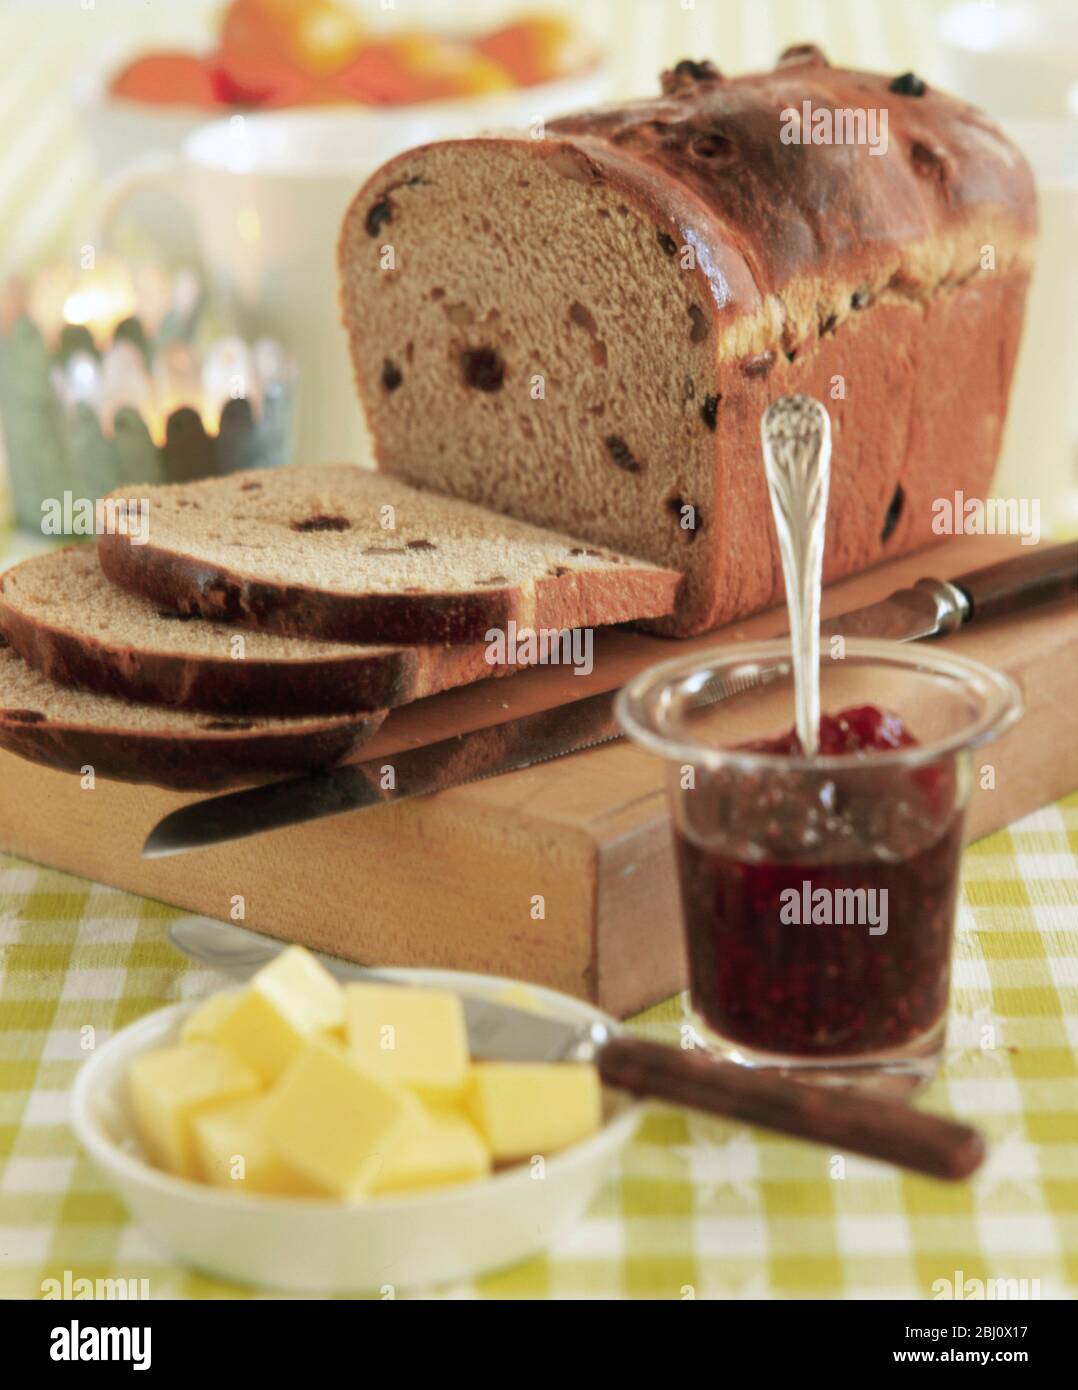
x: 471, y: 757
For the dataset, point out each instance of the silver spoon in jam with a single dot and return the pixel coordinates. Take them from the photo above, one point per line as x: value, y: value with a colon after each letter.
x: 796, y: 433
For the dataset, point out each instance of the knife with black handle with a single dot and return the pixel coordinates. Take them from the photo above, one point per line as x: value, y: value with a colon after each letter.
x: 930, y: 608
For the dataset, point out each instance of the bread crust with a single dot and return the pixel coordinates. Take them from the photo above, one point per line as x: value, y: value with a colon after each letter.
x: 349, y: 682
x: 223, y: 595
x: 182, y: 763
x: 708, y: 153
x: 193, y: 759
x: 922, y: 418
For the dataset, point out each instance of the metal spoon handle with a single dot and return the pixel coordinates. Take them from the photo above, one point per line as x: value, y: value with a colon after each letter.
x: 796, y: 434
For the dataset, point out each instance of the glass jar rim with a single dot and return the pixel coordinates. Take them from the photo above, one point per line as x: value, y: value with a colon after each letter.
x: 643, y: 703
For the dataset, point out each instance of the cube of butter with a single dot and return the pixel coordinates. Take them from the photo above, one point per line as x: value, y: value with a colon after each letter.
x: 449, y: 1150
x: 289, y: 1001
x: 414, y: 1037
x: 169, y: 1088
x: 233, y: 1151
x: 523, y: 1108
x: 337, y: 1124
x: 202, y: 1024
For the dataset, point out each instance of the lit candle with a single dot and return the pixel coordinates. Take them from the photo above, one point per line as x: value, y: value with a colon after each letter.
x: 101, y: 299
x: 168, y: 391
x: 176, y: 385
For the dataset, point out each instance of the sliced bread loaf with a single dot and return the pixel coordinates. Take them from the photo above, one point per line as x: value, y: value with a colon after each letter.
x: 345, y: 554
x: 73, y: 730
x: 61, y: 614
x: 667, y: 268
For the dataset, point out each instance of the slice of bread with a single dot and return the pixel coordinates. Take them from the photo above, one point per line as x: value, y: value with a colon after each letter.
x: 61, y: 614
x: 344, y: 554
x: 74, y: 731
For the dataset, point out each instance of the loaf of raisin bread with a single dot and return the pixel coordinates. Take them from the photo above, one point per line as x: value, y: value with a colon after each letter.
x: 584, y: 330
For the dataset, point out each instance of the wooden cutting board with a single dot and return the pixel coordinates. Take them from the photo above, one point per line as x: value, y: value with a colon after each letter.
x: 452, y: 880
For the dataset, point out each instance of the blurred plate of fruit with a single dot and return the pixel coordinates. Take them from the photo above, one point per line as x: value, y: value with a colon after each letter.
x: 274, y: 54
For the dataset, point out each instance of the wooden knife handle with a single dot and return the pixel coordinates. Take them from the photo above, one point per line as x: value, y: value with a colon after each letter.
x: 842, y: 1117
x: 1045, y: 573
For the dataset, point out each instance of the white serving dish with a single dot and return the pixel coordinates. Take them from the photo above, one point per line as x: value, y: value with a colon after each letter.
x: 326, y: 1247
x: 122, y: 131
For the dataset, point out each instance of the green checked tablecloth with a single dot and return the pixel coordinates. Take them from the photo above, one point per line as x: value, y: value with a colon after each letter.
x: 697, y: 1205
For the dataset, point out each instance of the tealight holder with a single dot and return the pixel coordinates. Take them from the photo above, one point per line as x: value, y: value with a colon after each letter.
x: 105, y: 380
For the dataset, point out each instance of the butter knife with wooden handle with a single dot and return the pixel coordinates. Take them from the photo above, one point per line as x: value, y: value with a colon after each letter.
x: 848, y: 1119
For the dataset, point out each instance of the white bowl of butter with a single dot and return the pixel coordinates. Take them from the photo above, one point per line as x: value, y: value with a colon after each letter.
x: 374, y: 1242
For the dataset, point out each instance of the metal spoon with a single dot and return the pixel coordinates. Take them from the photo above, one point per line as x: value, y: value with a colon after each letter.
x: 796, y: 434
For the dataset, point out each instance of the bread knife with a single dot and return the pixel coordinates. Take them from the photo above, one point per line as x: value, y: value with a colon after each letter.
x: 932, y: 607
x: 850, y: 1119
x: 936, y: 607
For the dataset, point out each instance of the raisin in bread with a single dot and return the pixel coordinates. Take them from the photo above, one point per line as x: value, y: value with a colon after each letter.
x: 65, y: 619
x: 343, y: 554
x: 584, y: 330
x: 73, y: 730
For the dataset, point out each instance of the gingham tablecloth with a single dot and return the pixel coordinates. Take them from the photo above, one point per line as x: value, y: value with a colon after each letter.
x: 699, y: 1207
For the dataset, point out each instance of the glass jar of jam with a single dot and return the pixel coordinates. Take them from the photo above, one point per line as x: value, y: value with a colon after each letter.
x: 819, y: 893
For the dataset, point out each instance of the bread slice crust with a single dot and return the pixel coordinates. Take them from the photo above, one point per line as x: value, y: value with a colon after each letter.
x: 196, y: 669
x: 74, y: 731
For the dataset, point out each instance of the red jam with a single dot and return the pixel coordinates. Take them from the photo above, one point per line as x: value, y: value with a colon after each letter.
x: 783, y: 956
x: 859, y: 729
